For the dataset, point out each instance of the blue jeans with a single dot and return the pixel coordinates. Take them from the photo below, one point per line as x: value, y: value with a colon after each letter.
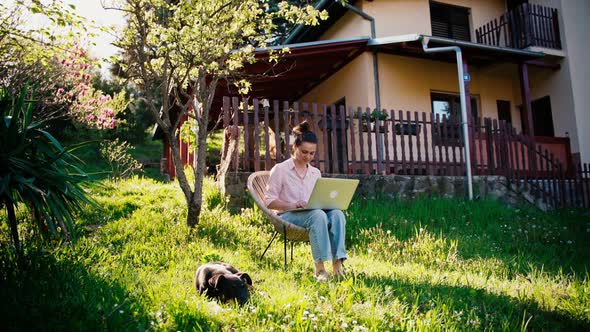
x: 327, y: 229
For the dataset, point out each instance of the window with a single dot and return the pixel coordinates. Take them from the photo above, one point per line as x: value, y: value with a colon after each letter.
x: 449, y: 106
x: 504, y: 110
x: 450, y: 21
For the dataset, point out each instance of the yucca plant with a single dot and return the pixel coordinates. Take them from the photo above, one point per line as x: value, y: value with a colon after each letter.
x: 36, y: 171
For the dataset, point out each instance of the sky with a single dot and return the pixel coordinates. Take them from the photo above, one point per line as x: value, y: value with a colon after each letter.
x: 92, y: 9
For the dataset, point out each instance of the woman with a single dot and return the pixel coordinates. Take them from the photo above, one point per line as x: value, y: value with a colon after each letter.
x: 290, y: 185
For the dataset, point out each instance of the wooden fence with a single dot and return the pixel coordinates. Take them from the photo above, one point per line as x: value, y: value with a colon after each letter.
x: 408, y: 143
x: 524, y: 26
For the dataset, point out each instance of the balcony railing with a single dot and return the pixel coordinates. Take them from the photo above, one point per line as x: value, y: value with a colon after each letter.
x: 526, y: 25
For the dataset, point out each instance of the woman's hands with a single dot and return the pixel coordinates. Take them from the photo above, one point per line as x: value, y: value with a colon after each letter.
x: 284, y: 206
x: 300, y: 204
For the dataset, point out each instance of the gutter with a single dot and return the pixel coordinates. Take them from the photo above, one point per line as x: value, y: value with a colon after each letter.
x: 451, y: 42
x: 300, y: 27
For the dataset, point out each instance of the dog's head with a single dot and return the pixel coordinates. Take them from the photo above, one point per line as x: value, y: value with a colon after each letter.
x: 232, y: 286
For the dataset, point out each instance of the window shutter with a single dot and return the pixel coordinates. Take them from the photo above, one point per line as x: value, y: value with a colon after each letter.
x: 450, y: 21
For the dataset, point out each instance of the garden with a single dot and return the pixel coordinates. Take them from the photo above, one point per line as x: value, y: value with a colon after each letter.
x: 93, y: 237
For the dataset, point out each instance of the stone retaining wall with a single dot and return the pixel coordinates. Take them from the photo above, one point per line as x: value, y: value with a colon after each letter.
x: 233, y: 185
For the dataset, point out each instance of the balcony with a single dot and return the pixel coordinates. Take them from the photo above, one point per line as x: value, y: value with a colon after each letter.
x: 527, y: 25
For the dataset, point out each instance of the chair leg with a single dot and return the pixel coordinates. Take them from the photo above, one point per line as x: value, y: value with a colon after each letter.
x: 285, y: 246
x: 292, y: 252
x: 271, y: 240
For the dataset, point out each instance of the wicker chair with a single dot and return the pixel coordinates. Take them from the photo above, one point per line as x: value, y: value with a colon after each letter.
x: 257, y: 183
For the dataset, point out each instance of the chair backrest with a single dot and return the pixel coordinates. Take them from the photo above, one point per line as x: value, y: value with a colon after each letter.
x: 256, y: 184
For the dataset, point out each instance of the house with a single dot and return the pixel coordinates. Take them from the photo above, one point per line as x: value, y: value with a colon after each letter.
x: 524, y: 68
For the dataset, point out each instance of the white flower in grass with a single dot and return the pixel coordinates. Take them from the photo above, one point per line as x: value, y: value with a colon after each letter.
x: 344, y: 325
x: 421, y: 229
x: 388, y: 232
x: 569, y: 242
x: 121, y: 311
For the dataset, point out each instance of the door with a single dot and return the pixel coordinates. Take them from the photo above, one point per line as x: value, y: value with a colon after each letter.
x: 542, y: 117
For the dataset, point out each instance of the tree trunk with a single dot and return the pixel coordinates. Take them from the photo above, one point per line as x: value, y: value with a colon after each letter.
x: 199, y: 172
x: 194, y: 211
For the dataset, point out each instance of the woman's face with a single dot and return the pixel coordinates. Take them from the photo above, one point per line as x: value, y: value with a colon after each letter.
x: 305, y: 152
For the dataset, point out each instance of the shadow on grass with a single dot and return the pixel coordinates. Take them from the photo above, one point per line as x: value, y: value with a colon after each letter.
x: 494, y: 311
x: 58, y: 294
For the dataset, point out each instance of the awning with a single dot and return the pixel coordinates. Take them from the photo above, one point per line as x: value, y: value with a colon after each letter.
x: 306, y: 66
x: 476, y: 54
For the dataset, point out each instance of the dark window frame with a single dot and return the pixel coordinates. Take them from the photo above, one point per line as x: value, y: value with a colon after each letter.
x: 450, y: 21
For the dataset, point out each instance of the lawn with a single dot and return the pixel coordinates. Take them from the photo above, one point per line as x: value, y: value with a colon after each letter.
x: 430, y: 264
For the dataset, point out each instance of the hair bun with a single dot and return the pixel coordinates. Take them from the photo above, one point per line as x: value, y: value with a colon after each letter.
x: 302, y: 128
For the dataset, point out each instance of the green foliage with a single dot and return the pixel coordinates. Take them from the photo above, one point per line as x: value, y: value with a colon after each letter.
x: 176, y: 52
x: 424, y: 265
x: 37, y: 171
x: 122, y: 163
x: 376, y: 114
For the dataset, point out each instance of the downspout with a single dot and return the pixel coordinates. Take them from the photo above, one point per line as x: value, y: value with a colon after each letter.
x: 464, y: 126
x: 367, y: 17
x: 375, y: 77
x: 375, y: 62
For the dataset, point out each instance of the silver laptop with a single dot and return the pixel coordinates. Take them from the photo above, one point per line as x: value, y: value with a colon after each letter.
x: 331, y: 193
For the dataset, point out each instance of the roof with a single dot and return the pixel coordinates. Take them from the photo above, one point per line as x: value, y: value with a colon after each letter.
x: 476, y: 54
x: 306, y: 33
x: 306, y: 66
x: 309, y: 64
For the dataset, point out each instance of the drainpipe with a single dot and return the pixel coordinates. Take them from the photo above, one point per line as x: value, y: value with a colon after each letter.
x: 457, y: 50
x: 375, y: 62
x: 375, y: 77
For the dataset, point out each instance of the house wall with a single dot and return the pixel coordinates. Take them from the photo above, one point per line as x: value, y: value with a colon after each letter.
x: 567, y: 87
x: 400, y: 17
x: 576, y: 27
x: 354, y: 81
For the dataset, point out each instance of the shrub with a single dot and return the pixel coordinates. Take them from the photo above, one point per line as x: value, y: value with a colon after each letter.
x: 36, y: 170
x: 122, y: 164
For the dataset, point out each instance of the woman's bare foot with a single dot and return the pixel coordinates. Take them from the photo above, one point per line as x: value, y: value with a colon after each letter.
x: 320, y: 272
x: 337, y: 268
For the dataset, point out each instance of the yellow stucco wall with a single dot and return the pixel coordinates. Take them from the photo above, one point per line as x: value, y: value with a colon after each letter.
x: 575, y: 28
x: 400, y: 17
x: 354, y: 81
x: 406, y: 83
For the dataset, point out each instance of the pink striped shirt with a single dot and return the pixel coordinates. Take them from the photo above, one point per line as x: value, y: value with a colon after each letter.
x: 284, y: 183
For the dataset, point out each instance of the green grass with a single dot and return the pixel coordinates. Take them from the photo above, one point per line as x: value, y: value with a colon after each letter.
x: 430, y: 264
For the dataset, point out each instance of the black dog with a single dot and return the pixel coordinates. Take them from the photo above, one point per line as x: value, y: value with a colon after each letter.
x: 223, y: 282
